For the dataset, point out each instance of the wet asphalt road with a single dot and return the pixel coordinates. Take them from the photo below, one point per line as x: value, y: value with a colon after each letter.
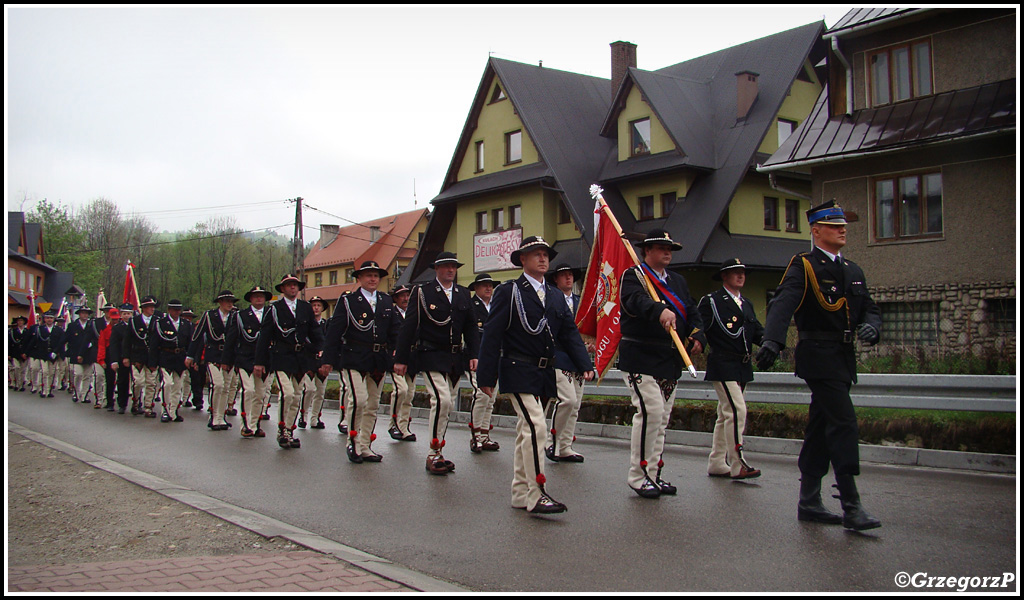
x: 716, y: 535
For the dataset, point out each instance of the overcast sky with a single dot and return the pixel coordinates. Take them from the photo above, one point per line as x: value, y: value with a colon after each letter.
x: 170, y: 111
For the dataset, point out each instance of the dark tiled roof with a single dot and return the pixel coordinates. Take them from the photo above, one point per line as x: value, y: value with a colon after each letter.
x: 57, y: 283
x: 575, y: 253
x: 14, y: 222
x: 494, y: 181
x: 33, y: 233
x: 863, y: 16
x: 755, y: 251
x: 977, y: 110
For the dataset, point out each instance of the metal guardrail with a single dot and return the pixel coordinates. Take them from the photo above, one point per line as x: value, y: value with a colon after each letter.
x: 982, y: 393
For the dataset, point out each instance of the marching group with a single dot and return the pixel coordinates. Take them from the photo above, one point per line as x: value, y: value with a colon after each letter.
x: 519, y: 335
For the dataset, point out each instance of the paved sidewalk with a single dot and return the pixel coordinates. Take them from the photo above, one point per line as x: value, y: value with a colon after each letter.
x: 303, y: 571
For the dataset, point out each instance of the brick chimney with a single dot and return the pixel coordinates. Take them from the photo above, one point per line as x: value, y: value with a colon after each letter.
x: 746, y: 93
x: 328, y: 233
x: 623, y: 57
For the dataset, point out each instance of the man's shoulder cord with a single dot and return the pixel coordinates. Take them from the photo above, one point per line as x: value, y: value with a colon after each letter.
x: 517, y: 301
x: 352, y: 319
x: 809, y: 277
x: 423, y: 307
x: 241, y: 329
x: 718, y: 320
x: 284, y: 332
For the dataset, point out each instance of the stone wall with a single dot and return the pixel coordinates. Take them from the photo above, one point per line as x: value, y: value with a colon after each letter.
x: 965, y: 324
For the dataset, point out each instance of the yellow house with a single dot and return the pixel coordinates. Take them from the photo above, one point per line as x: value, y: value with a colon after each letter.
x: 673, y: 148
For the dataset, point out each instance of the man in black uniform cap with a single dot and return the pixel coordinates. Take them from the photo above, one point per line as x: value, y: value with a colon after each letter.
x: 171, y: 337
x: 827, y: 295
x: 360, y: 336
x: 649, y: 361
x: 527, y: 317
x: 569, y: 377
x: 135, y: 355
x: 483, y: 404
x: 207, y: 346
x: 287, y: 332
x: 240, y: 352
x: 401, y: 397
x: 314, y: 384
x: 17, y: 337
x: 80, y: 349
x: 44, y: 344
x: 731, y: 328
x: 439, y: 322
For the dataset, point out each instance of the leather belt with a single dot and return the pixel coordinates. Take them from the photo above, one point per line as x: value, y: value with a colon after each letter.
x: 543, y: 362
x: 648, y: 341
x: 743, y: 358
x: 845, y: 337
x: 173, y: 351
x: 455, y: 348
x: 374, y: 347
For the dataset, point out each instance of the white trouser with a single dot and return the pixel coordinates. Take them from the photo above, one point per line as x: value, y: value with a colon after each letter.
x: 313, y: 397
x: 728, y: 437
x: 291, y: 394
x: 364, y: 398
x: 567, y: 411
x: 171, y: 386
x: 653, y: 399
x: 82, y: 380
x: 254, y: 393
x: 528, y: 462
x: 483, y: 406
x: 401, y: 401
x: 442, y: 393
x: 219, y: 379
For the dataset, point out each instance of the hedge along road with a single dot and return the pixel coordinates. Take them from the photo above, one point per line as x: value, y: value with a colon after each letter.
x: 716, y: 535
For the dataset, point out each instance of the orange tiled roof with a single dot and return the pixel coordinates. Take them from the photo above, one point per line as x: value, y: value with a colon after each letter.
x: 353, y: 245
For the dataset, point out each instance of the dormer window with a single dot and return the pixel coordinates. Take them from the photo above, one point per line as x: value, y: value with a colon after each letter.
x: 640, y: 137
x: 900, y: 73
x: 513, y: 147
x: 497, y: 95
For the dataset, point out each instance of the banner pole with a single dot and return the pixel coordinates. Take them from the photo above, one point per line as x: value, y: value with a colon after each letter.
x: 595, y: 191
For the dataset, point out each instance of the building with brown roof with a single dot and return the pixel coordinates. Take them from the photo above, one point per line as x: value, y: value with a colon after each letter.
x: 27, y: 269
x: 391, y: 241
x: 915, y: 133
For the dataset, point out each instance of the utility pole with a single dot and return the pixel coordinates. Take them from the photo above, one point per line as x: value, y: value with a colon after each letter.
x: 298, y: 246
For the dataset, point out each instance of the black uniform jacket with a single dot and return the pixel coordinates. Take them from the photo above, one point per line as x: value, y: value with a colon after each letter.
x: 241, y: 337
x: 44, y: 343
x: 399, y: 323
x: 135, y: 346
x: 562, y: 359
x: 80, y: 341
x: 730, y: 332
x: 168, y: 345
x: 348, y: 346
x: 285, y: 338
x: 439, y: 329
x: 16, y: 342
x: 646, y: 347
x: 831, y: 301
x: 511, y: 354
x: 208, y: 338
x: 115, y: 350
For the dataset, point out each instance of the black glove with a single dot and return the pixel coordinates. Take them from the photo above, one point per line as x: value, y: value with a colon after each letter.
x: 867, y: 334
x: 767, y: 355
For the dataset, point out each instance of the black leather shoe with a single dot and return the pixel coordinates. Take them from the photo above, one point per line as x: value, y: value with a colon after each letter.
x: 111, y: 408
x: 120, y: 411
x: 409, y: 438
x: 319, y: 425
x: 178, y: 419
x: 188, y: 404
x: 352, y: 456
x: 302, y: 424
x: 165, y: 418
x: 550, y: 453
x: 295, y: 443
x: 282, y: 441
x: 231, y: 412
x: 648, y: 489
x: 372, y: 458
x: 854, y: 515
x: 395, y: 433
x: 342, y: 428
x: 576, y: 458
x: 50, y: 395
x: 665, y: 487
x: 810, y: 507
x: 547, y: 506
x: 265, y: 418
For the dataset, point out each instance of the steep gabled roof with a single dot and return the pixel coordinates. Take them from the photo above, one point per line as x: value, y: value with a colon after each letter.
x: 15, y: 221
x: 562, y: 114
x: 778, y: 60
x: 353, y: 245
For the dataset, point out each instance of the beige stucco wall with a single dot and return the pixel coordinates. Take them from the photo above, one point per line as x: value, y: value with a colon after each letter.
x: 637, y: 108
x: 494, y: 122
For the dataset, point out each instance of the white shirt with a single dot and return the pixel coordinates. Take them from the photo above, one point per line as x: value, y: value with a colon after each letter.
x: 371, y: 297
x: 400, y: 311
x: 223, y: 316
x: 173, y: 322
x: 737, y: 298
x: 448, y: 290
x: 538, y: 286
x: 258, y: 312
x: 568, y: 300
x: 830, y: 256
x: 291, y: 303
x: 146, y: 319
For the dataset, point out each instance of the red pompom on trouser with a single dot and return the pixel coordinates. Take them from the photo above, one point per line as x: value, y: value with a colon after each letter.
x: 643, y: 464
x: 661, y: 463
x: 541, y: 479
x: 373, y: 436
x: 353, y: 434
x: 281, y: 425
x: 435, y: 444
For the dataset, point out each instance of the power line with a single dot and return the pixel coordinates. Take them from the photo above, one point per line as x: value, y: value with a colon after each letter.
x: 175, y: 241
x: 204, y: 208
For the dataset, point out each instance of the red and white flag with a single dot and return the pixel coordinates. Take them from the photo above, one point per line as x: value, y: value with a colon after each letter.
x: 131, y: 291
x: 31, y: 308
x: 599, y: 305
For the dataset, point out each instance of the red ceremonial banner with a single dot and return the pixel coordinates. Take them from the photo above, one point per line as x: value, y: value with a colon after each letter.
x: 599, y: 305
x: 31, y: 308
x: 131, y: 292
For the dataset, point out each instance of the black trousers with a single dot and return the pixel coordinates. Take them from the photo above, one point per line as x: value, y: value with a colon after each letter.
x: 831, y: 435
x: 197, y: 377
x: 124, y: 385
x: 110, y: 377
